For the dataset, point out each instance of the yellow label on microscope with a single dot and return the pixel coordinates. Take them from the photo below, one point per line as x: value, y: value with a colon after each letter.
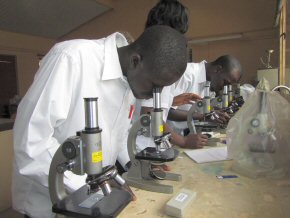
x: 161, y: 128
x: 97, y: 157
x: 208, y: 108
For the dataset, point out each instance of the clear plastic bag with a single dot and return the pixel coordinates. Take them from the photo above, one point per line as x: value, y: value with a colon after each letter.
x: 258, y: 136
x: 246, y: 90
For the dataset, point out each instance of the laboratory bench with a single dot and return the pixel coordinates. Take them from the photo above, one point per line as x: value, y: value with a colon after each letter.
x: 240, y: 197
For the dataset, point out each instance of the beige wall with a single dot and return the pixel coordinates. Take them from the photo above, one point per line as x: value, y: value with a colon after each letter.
x: 207, y: 18
x: 6, y: 156
x: 25, y: 48
x: 248, y: 51
x: 126, y: 15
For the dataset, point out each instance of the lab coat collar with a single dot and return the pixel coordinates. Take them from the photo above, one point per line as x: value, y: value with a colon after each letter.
x: 202, y: 77
x: 202, y: 71
x: 112, y: 66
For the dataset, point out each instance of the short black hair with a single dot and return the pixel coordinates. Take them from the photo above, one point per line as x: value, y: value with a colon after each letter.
x: 228, y: 63
x: 169, y: 12
x: 163, y: 52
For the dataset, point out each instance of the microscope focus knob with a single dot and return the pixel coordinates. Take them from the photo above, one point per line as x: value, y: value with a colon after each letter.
x: 145, y: 121
x: 255, y: 122
x: 200, y: 104
x: 69, y: 150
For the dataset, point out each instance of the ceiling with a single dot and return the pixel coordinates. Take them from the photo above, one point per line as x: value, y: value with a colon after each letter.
x: 56, y: 19
x: 230, y: 16
x: 47, y: 18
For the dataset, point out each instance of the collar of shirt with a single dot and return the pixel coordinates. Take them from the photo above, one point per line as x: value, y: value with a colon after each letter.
x: 202, y: 78
x: 112, y: 66
x: 202, y: 73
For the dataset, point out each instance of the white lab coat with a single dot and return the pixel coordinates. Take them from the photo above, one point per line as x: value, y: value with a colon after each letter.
x: 192, y: 81
x: 53, y: 110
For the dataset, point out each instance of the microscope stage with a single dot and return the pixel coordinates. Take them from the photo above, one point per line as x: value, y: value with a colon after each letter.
x: 150, y: 153
x: 206, y: 124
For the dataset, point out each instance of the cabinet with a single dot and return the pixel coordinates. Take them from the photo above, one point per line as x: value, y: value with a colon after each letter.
x: 272, y: 76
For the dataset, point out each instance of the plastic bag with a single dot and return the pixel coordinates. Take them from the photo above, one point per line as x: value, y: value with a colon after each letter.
x: 258, y: 136
x: 246, y: 90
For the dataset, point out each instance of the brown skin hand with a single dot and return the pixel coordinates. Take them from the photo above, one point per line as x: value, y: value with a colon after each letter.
x: 223, y: 117
x: 185, y: 98
x: 191, y: 141
x: 181, y: 115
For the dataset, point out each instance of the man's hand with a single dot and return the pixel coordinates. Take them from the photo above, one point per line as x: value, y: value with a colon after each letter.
x: 223, y: 117
x: 185, y: 98
x: 163, y: 167
x: 195, y: 141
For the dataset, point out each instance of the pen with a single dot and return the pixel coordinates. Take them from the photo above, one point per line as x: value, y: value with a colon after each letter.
x: 226, y: 176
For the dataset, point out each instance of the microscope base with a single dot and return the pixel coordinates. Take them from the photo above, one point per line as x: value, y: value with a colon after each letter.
x: 148, y: 185
x: 173, y: 177
x: 80, y: 204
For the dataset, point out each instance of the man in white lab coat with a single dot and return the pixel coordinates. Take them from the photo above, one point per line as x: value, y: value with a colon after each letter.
x: 52, y: 110
x: 223, y: 71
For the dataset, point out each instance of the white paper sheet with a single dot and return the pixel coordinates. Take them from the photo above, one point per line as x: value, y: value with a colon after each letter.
x: 206, y: 155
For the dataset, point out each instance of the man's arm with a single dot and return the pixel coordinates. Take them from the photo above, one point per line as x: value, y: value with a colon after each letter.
x: 181, y: 115
x: 185, y: 98
x: 44, y: 108
x: 190, y: 141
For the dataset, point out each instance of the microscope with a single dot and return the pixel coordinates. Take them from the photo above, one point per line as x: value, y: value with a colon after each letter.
x: 237, y: 97
x: 82, y: 154
x: 223, y: 102
x: 256, y: 152
x: 260, y: 131
x: 141, y: 175
x: 230, y: 101
x: 202, y: 107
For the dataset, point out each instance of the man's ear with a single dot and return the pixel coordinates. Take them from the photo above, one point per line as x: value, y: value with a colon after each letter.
x: 135, y: 61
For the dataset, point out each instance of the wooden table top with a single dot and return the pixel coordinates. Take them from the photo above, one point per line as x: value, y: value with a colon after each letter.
x: 240, y: 197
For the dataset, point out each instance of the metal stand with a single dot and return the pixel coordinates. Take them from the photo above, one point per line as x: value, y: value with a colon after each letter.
x: 140, y: 174
x: 82, y: 154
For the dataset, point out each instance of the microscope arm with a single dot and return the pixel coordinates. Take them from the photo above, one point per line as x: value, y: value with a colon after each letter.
x: 131, y: 143
x: 190, y: 122
x: 56, y: 186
